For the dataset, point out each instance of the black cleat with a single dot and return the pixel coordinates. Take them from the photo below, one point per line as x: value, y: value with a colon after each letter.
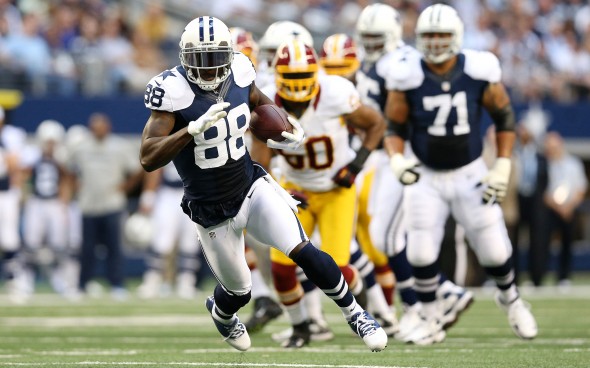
x: 299, y: 338
x: 265, y: 310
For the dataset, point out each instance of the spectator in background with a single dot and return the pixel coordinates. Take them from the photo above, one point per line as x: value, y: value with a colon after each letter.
x: 92, y: 70
x: 153, y: 24
x: 532, y: 174
x: 565, y: 191
x: 116, y: 51
x: 29, y: 53
x: 106, y: 168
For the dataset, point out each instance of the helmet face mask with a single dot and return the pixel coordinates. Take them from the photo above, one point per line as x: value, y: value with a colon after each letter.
x: 296, y: 72
x: 339, y: 55
x: 207, y: 63
x: 439, y: 33
x: 437, y: 47
x: 279, y: 32
x: 378, y: 30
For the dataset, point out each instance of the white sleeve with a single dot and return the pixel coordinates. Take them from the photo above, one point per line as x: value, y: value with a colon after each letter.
x: 243, y: 70
x: 401, y: 69
x: 339, y: 95
x: 168, y: 91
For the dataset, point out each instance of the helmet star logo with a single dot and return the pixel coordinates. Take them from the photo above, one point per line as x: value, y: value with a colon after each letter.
x: 167, y: 73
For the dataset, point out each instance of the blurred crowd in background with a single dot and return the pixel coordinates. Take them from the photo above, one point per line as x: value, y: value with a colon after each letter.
x: 104, y: 47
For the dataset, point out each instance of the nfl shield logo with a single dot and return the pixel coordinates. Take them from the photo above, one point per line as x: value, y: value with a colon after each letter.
x: 212, y: 234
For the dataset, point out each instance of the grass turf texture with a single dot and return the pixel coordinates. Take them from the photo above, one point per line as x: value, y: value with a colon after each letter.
x: 51, y: 332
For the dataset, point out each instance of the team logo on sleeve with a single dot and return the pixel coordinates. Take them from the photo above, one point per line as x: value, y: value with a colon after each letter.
x: 354, y: 102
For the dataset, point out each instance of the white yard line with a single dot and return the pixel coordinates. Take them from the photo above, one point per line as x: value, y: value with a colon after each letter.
x: 207, y: 364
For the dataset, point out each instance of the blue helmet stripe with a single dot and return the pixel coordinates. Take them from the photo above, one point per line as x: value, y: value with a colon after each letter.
x: 210, y: 28
x: 201, y: 29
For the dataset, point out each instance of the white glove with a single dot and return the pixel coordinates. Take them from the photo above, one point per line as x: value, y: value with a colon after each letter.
x: 292, y: 140
x: 209, y: 118
x: 404, y: 169
x: 497, y: 181
x: 292, y: 202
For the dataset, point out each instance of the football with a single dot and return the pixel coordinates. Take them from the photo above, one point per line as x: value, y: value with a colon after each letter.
x: 268, y: 122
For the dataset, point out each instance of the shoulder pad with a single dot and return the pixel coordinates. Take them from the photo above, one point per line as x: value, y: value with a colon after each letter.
x: 401, y: 69
x: 338, y: 94
x: 13, y: 138
x: 482, y: 65
x: 168, y: 91
x: 243, y: 70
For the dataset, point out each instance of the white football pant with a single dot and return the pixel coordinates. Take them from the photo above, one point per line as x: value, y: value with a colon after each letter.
x: 428, y: 203
x: 264, y: 215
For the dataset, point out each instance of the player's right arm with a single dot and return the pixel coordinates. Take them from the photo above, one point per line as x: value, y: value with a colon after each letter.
x: 158, y: 146
x: 397, y: 112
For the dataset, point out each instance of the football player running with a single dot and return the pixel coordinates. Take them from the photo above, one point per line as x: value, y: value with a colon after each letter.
x: 435, y: 102
x: 379, y: 32
x: 322, y: 170
x: 200, y: 111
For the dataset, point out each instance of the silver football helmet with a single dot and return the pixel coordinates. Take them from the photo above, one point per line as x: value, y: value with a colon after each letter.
x: 439, y: 33
x: 378, y: 30
x: 50, y: 130
x: 278, y: 33
x: 206, y: 52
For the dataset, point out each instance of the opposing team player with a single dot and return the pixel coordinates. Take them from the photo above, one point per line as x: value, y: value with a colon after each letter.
x: 339, y: 56
x: 322, y: 170
x: 162, y: 191
x: 435, y: 102
x: 243, y: 42
x: 200, y: 111
x: 273, y: 37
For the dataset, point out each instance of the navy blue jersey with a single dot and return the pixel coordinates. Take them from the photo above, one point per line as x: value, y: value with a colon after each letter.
x: 215, y: 168
x: 170, y: 177
x: 45, y: 178
x: 371, y: 86
x: 445, y: 111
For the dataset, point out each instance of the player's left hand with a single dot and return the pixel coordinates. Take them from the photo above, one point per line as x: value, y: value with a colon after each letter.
x: 496, y: 181
x: 292, y: 140
x: 346, y: 176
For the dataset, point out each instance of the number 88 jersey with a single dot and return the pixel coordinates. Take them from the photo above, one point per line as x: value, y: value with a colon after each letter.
x: 215, y: 166
x: 445, y: 111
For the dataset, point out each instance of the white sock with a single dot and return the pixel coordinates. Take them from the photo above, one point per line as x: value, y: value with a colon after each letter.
x: 377, y: 302
x: 509, y: 295
x: 313, y: 304
x: 259, y: 288
x: 297, y: 313
x: 351, y: 310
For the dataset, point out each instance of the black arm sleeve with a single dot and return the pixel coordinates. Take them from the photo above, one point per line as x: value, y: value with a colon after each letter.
x: 504, y: 119
x: 396, y: 128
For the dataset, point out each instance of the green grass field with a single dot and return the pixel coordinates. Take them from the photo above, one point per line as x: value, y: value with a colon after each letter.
x: 51, y: 332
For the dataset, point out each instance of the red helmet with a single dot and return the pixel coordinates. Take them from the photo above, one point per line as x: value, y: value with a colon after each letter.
x: 243, y: 41
x: 339, y: 55
x: 296, y: 71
